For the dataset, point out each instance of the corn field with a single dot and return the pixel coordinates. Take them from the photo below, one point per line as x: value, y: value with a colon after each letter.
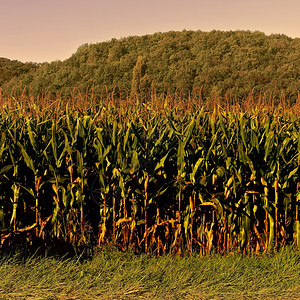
x: 148, y: 179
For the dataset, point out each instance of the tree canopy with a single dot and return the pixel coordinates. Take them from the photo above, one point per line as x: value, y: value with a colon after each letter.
x: 233, y: 63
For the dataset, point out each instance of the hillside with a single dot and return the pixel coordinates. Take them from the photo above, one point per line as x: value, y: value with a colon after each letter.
x: 188, y: 62
x: 12, y: 69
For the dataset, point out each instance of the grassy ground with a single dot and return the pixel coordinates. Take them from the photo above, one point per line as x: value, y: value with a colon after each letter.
x: 115, y: 275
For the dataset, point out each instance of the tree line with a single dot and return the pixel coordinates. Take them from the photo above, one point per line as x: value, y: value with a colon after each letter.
x: 187, y: 63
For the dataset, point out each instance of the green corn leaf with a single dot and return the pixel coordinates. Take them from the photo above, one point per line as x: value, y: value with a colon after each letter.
x: 212, y: 146
x: 32, y: 135
x: 114, y: 134
x: 188, y: 132
x: 242, y: 132
x: 2, y: 144
x: 269, y: 144
x: 126, y: 136
x: 152, y: 131
x: 180, y: 158
x: 293, y: 172
x: 196, y: 167
x: 54, y: 141
x: 2, y: 219
x: 28, y: 160
x: 5, y: 169
x: 135, y: 164
x: 271, y: 231
x: 254, y: 140
x: 161, y: 163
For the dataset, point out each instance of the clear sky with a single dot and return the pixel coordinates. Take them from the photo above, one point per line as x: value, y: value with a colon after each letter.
x: 48, y: 30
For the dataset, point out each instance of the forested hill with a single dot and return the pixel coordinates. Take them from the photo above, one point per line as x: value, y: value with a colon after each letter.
x: 186, y: 62
x: 12, y: 69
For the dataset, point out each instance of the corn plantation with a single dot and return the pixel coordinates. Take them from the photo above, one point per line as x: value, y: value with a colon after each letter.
x: 172, y: 180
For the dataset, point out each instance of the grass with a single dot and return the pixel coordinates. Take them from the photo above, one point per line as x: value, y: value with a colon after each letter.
x: 116, y: 275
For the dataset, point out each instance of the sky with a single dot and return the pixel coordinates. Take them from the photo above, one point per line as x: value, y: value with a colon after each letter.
x: 49, y: 30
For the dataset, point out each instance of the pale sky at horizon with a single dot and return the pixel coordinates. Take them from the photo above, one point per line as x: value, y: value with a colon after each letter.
x: 48, y: 30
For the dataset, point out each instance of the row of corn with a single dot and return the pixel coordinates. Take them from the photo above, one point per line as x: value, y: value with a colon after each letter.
x: 173, y: 181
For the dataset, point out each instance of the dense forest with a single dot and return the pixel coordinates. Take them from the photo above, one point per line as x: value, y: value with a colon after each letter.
x: 188, y: 63
x: 12, y: 69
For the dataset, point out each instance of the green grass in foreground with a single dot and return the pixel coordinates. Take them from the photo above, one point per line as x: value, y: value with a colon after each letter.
x: 115, y: 275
